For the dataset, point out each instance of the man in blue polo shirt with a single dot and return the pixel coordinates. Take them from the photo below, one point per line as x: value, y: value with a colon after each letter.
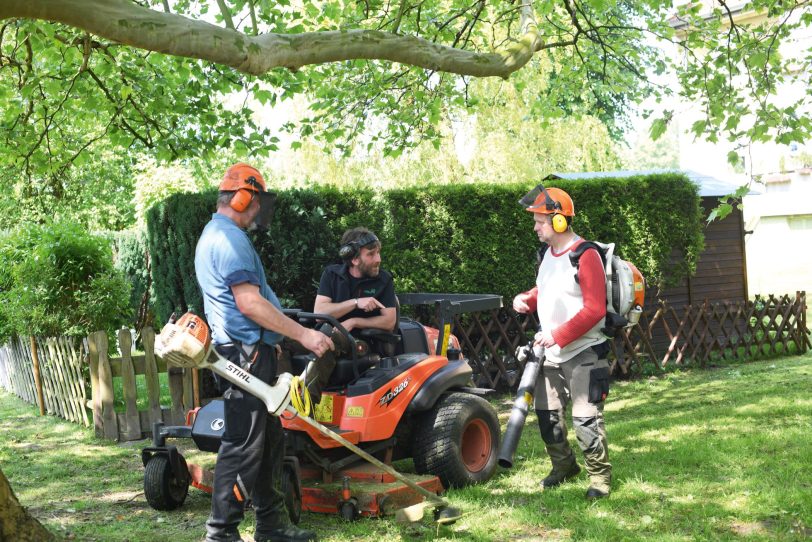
x: 246, y: 324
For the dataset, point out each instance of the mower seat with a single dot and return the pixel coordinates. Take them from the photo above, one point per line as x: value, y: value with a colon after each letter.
x: 381, y: 344
x: 412, y: 337
x: 343, y: 373
x: 381, y: 341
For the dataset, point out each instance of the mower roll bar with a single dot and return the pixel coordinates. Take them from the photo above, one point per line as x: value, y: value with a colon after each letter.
x: 447, y: 306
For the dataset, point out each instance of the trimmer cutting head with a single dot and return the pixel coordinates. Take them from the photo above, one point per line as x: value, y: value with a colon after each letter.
x: 446, y: 515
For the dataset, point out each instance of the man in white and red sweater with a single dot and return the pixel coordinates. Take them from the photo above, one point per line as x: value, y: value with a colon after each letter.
x: 570, y: 298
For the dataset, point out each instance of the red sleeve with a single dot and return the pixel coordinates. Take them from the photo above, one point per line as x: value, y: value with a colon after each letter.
x: 592, y: 279
x: 532, y: 298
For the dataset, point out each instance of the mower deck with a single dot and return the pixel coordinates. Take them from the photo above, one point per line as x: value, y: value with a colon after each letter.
x: 362, y: 490
x: 374, y: 492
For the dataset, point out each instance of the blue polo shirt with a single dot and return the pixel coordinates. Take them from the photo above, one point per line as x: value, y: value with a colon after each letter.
x: 225, y: 257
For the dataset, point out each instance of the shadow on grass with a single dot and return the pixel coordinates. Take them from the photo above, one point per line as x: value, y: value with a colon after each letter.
x: 697, y: 456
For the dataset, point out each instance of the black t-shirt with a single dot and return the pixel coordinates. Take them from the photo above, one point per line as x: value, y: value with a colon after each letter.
x: 337, y: 284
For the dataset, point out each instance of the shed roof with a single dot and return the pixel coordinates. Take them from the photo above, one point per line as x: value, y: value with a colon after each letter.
x: 708, y: 186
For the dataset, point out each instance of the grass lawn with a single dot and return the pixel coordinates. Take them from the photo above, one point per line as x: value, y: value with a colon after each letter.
x: 720, y: 454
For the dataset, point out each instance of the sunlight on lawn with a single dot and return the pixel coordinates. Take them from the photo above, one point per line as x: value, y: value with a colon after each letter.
x: 709, y: 455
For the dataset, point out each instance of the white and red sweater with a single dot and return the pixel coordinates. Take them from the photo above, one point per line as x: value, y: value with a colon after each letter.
x: 573, y: 311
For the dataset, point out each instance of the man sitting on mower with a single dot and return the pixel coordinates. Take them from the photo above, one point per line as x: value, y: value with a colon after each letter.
x: 358, y: 293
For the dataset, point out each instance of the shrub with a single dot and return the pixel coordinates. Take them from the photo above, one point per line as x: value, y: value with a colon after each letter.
x: 131, y: 258
x: 58, y: 279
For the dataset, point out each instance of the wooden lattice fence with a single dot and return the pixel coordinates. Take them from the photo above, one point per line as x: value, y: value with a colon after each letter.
x: 769, y: 326
x: 764, y: 327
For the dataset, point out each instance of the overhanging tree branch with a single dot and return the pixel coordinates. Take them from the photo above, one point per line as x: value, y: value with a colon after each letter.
x: 130, y: 24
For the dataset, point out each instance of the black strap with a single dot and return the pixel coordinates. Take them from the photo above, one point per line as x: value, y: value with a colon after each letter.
x: 577, y: 252
x: 542, y: 250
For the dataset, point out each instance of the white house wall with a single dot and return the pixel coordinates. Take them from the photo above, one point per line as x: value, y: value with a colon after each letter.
x: 779, y: 251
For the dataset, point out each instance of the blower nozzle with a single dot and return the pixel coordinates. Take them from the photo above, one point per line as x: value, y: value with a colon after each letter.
x: 532, y: 356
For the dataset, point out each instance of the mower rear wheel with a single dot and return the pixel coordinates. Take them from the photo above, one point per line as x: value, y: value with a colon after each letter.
x: 163, y: 488
x: 458, y: 440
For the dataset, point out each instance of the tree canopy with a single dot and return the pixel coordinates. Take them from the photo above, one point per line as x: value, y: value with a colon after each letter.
x: 149, y: 74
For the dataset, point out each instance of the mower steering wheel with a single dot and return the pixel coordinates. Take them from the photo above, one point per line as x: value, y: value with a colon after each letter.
x: 336, y: 325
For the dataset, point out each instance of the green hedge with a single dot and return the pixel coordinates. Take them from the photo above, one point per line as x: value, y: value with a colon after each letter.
x: 471, y: 238
x: 130, y: 257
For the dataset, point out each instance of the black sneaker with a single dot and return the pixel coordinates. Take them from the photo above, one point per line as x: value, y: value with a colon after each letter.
x: 291, y: 533
x: 557, y: 477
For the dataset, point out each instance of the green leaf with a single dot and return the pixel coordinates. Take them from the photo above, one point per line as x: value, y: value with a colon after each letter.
x: 657, y: 129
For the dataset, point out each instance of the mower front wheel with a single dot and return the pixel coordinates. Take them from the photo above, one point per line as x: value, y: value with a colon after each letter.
x: 163, y: 488
x: 458, y: 440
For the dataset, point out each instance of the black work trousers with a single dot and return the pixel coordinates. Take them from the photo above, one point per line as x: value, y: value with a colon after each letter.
x: 249, y: 462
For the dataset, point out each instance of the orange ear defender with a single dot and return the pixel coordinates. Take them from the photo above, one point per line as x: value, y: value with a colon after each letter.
x: 552, y: 201
x: 246, y: 181
x: 242, y: 199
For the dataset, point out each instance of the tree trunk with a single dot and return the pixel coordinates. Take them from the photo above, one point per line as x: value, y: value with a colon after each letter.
x: 15, y: 522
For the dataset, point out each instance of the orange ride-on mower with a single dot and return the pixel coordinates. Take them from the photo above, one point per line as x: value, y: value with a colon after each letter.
x: 392, y: 395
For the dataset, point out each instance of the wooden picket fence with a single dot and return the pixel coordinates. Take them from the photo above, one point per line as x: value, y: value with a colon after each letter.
x: 73, y: 379
x: 134, y: 424
x: 55, y: 381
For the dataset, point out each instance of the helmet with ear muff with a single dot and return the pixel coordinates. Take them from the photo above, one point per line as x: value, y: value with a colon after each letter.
x: 552, y: 201
x: 246, y: 181
x: 350, y: 249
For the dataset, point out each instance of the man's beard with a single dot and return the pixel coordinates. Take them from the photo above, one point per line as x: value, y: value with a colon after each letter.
x: 369, y: 270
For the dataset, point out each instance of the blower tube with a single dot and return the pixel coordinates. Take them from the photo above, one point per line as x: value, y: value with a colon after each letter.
x: 524, y: 399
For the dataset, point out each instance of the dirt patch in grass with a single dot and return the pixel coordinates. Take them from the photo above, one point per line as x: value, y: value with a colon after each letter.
x: 743, y: 528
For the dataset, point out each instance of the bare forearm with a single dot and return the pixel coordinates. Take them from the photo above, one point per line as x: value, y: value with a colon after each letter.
x: 263, y: 312
x: 384, y: 321
x: 336, y: 310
